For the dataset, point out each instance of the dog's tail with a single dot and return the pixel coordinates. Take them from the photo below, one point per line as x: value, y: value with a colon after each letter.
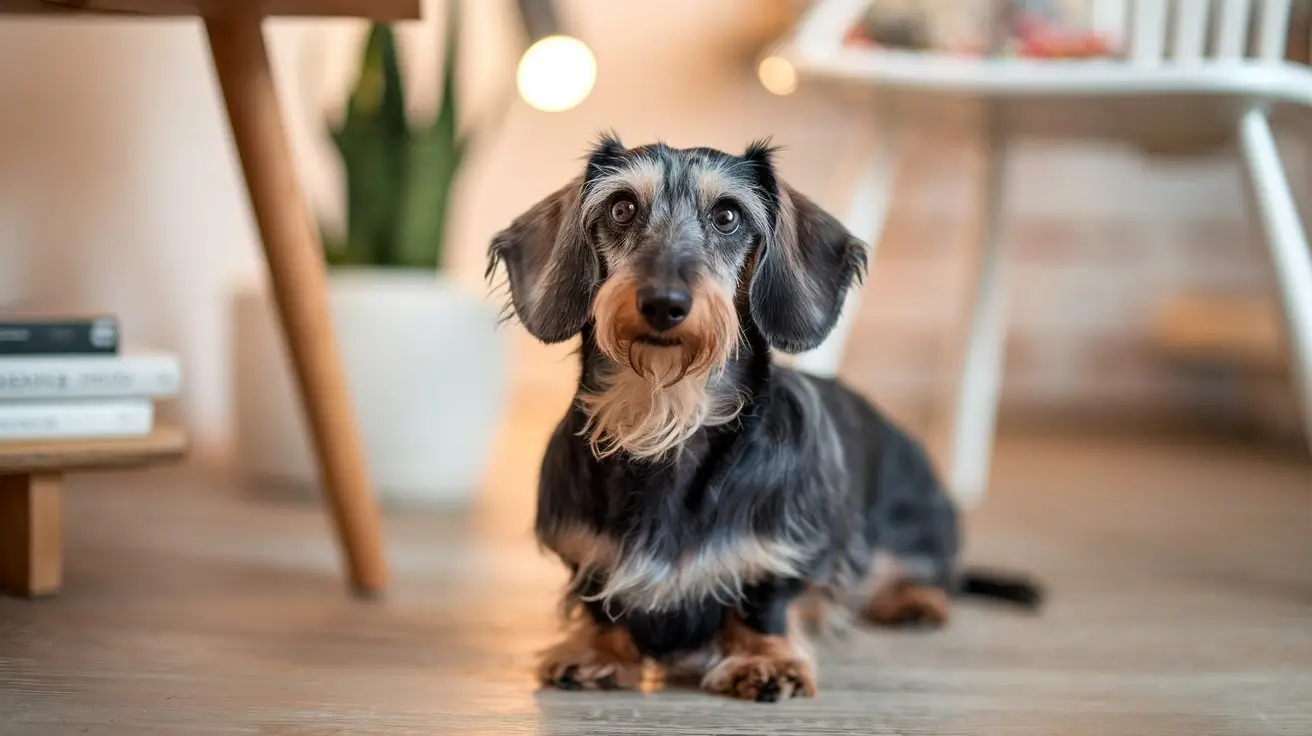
x: 1001, y: 586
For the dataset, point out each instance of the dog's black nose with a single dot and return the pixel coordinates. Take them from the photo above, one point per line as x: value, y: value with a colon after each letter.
x: 663, y: 307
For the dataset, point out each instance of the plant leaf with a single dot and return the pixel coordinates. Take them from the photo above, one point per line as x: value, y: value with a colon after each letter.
x: 373, y: 141
x: 434, y: 163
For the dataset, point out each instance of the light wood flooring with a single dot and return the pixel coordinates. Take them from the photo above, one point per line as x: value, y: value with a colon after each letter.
x: 1180, y: 576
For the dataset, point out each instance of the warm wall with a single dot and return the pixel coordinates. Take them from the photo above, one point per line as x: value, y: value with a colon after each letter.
x: 119, y: 191
x: 1099, y: 240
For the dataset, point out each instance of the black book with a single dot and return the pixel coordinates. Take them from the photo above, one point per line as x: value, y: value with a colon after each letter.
x: 55, y: 336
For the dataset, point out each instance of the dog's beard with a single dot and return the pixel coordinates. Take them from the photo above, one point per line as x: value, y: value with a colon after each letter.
x: 659, y: 390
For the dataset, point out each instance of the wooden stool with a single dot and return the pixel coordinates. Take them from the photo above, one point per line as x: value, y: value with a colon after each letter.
x: 291, y: 247
x: 31, y: 499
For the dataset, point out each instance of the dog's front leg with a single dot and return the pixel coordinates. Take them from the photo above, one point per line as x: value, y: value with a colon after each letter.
x: 765, y: 654
x: 592, y: 657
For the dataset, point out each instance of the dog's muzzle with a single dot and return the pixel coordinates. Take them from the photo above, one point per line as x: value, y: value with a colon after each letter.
x: 663, y: 307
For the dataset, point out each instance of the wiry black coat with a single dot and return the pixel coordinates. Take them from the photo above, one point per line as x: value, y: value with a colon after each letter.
x: 808, y: 462
x: 801, y: 491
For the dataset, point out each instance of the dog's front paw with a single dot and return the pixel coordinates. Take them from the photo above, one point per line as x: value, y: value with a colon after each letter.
x: 589, y: 673
x: 592, y: 660
x: 761, y: 678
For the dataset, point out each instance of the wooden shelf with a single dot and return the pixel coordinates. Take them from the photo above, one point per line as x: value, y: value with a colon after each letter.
x: 372, y: 9
x: 31, y: 491
x: 164, y: 445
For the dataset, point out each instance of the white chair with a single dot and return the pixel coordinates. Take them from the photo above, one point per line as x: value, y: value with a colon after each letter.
x: 1178, y: 86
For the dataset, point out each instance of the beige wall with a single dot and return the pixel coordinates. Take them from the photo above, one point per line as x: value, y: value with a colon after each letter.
x: 118, y: 191
x: 1099, y: 241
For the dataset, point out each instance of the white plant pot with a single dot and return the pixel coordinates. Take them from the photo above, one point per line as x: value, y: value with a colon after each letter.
x: 427, y: 374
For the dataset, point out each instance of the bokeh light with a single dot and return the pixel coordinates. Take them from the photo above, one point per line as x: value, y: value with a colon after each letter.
x: 777, y: 75
x: 556, y: 73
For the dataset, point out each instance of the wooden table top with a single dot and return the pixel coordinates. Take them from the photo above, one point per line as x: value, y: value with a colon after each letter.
x: 372, y: 9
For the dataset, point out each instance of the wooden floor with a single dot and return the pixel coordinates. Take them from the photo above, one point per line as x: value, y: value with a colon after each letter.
x: 1181, y: 603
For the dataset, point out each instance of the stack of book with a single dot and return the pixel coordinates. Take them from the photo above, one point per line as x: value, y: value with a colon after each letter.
x: 67, y: 379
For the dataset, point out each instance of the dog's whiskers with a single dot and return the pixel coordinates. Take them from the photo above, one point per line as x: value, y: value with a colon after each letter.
x: 654, y: 396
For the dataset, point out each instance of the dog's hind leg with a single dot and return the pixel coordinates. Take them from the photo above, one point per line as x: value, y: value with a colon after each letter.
x: 591, y: 657
x: 894, y: 596
x: 912, y: 528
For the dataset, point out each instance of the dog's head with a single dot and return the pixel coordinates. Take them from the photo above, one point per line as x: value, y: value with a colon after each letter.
x: 669, y: 250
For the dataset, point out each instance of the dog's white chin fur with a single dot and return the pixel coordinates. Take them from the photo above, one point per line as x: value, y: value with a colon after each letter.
x: 651, y: 414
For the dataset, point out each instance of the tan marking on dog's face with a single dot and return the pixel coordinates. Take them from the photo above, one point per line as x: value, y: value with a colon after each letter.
x: 657, y: 396
x: 716, y: 182
x: 641, y: 177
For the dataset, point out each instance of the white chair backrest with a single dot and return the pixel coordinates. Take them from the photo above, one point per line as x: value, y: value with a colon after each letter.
x: 1195, y: 31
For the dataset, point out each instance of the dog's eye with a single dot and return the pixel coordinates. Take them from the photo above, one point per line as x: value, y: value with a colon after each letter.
x: 623, y: 210
x: 725, y: 218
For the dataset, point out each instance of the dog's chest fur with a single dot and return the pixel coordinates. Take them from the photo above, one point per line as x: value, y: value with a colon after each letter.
x: 664, y: 548
x: 650, y: 550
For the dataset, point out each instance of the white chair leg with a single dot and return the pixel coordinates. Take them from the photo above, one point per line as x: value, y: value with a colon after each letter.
x: 866, y: 212
x: 1289, y: 248
x: 971, y: 441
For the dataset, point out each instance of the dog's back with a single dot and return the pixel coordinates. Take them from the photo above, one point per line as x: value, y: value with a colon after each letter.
x: 911, y: 524
x: 906, y: 509
x: 908, y: 537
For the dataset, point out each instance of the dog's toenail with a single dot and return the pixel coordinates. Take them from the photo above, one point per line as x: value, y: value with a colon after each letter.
x: 568, y: 678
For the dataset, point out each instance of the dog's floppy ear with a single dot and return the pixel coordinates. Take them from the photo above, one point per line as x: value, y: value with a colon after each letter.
x: 551, y: 268
x: 805, y: 264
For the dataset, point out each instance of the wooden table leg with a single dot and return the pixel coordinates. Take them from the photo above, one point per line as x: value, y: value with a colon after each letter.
x: 31, y: 541
x: 296, y: 270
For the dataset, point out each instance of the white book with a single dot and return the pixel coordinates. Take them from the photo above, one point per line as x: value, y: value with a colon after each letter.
x: 83, y: 419
x: 153, y: 375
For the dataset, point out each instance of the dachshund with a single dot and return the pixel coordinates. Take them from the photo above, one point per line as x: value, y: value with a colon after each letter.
x: 715, y: 508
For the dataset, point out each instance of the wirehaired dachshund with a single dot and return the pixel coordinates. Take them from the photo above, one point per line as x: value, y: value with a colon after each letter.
x: 713, y: 507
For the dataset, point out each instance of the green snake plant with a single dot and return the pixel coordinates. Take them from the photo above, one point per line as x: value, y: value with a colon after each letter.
x: 399, y: 174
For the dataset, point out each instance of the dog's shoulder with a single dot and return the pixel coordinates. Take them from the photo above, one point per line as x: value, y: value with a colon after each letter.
x: 802, y: 403
x: 565, y: 480
x: 848, y: 410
